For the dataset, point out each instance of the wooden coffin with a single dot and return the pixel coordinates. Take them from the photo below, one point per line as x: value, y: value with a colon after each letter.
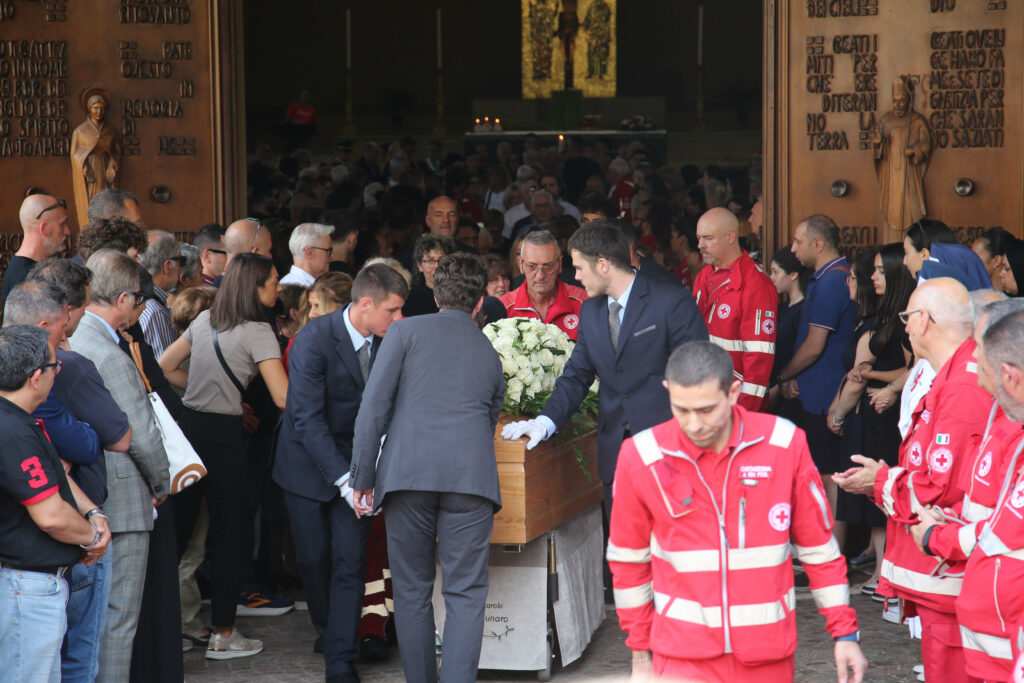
x: 544, y: 487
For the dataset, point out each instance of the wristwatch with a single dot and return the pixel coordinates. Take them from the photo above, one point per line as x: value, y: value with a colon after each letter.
x: 94, y: 512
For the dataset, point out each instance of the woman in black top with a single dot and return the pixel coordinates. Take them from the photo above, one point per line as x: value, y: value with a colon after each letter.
x: 427, y: 253
x: 882, y: 358
x: 790, y: 279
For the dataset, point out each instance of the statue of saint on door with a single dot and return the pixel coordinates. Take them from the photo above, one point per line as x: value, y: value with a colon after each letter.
x: 902, y: 146
x: 95, y: 152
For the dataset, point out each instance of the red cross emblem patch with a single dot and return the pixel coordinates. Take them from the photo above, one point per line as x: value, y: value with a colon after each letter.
x: 940, y: 460
x: 724, y: 310
x: 985, y: 466
x: 780, y: 516
x: 915, y: 453
x: 1017, y: 499
x: 571, y: 321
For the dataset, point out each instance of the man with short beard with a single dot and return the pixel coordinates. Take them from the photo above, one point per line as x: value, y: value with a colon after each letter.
x: 44, y: 220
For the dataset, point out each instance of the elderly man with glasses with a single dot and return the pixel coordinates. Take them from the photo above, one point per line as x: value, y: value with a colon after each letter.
x: 163, y: 261
x: 543, y: 295
x: 44, y: 220
x: 310, y: 245
x: 946, y: 431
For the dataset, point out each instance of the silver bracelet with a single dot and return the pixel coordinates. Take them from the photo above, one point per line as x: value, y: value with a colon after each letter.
x: 95, y: 538
x: 642, y: 661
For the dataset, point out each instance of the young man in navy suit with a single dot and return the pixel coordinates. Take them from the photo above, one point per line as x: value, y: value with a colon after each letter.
x: 629, y: 327
x: 328, y: 366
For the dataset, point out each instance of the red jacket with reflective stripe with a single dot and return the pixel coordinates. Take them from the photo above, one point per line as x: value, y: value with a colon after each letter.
x: 945, y: 433
x: 564, y: 311
x: 699, y: 544
x: 982, y: 482
x: 992, y: 600
x: 740, y: 305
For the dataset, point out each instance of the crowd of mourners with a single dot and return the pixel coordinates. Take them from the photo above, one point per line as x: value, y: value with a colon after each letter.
x: 898, y: 362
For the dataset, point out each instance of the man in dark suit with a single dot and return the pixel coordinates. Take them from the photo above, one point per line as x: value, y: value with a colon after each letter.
x: 629, y: 327
x: 328, y: 366
x: 436, y: 393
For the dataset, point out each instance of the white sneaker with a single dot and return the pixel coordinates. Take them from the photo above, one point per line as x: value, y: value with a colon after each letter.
x: 233, y: 646
x: 920, y: 677
x: 891, y: 614
x: 919, y: 668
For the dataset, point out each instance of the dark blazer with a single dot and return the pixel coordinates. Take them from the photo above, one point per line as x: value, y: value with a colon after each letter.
x: 314, y: 446
x: 659, y: 318
x: 436, y: 392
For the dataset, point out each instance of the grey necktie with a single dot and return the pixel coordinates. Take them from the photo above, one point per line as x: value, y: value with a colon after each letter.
x: 614, y: 323
x: 363, y: 354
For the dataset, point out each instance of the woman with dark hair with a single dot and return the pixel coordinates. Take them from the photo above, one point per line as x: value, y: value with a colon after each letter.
x: 427, y: 253
x: 790, y: 278
x: 990, y: 246
x: 1012, y: 275
x: 931, y: 250
x: 227, y: 347
x: 872, y: 388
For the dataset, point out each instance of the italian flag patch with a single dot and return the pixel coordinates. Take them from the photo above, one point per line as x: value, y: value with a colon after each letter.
x: 942, y: 439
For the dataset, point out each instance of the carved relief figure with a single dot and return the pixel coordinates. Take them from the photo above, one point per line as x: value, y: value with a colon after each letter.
x: 542, y: 18
x: 568, y: 27
x: 95, y: 152
x: 598, y: 26
x: 902, y: 148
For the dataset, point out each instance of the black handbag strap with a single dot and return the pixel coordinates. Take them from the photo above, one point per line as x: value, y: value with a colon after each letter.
x: 224, y: 363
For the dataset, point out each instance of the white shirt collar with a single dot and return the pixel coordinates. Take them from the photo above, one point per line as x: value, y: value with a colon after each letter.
x: 297, y: 276
x: 357, y: 339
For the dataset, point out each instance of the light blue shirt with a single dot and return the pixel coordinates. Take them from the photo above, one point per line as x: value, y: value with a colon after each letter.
x: 358, y: 340
x: 544, y: 420
x: 111, y: 330
x: 623, y: 299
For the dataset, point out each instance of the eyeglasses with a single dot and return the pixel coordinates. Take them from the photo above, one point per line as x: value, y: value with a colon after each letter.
x: 180, y: 260
x: 259, y: 224
x: 60, y: 202
x: 56, y: 365
x: 139, y: 297
x: 218, y: 251
x: 905, y: 315
x: 546, y: 268
x: 328, y: 250
x: 430, y: 262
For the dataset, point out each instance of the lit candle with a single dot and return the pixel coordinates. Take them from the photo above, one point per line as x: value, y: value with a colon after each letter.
x: 348, y: 39
x: 561, y: 143
x: 438, y: 38
x: 700, y: 35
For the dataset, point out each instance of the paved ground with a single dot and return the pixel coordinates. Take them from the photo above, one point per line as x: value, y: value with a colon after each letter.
x: 289, y: 652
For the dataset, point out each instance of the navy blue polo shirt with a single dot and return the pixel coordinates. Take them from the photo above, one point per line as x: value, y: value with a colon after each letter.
x: 827, y: 305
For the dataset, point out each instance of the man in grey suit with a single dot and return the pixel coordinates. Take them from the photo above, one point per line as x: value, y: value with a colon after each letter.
x: 435, y: 391
x: 136, y: 480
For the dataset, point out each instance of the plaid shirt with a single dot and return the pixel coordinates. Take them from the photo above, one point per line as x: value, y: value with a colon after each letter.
x: 156, y: 323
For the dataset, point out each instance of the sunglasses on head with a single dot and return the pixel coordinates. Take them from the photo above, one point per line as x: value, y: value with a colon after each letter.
x: 60, y: 202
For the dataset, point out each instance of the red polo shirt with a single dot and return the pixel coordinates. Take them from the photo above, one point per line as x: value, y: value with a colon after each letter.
x: 564, y: 311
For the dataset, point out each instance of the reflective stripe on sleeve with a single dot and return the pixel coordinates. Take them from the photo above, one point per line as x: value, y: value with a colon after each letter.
x: 753, y: 389
x: 993, y: 646
x: 637, y: 596
x: 687, y: 560
x: 974, y: 512
x: 819, y: 498
x: 890, y: 481
x: 915, y: 504
x: 635, y: 555
x: 740, y: 346
x: 831, y: 596
x: 818, y: 554
x: 758, y: 558
x: 694, y: 613
x: 647, y: 447
x: 991, y: 544
x: 782, y: 433
x: 922, y: 583
x: 967, y: 539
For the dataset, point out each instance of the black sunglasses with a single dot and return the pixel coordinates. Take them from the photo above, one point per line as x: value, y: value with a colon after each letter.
x: 180, y: 260
x: 259, y: 224
x: 60, y: 202
x: 218, y: 251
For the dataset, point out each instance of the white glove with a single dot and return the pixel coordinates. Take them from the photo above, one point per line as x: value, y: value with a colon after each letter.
x: 346, y: 491
x: 529, y: 428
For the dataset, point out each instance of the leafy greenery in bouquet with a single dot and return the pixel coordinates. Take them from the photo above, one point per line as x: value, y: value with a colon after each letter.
x: 533, y: 356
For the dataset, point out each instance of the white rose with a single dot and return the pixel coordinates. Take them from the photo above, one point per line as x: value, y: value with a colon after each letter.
x: 508, y: 366
x: 535, y: 386
x: 523, y: 362
x: 514, y: 390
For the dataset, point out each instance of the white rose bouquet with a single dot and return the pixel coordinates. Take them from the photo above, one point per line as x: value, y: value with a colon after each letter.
x: 533, y: 356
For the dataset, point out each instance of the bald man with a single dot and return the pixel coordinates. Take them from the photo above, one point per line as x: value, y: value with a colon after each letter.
x: 441, y: 216
x: 44, y: 222
x: 738, y: 303
x: 945, y: 432
x: 245, y: 236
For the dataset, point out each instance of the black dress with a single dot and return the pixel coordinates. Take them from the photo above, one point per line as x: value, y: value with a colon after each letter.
x: 850, y: 507
x: 420, y: 301
x: 785, y: 347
